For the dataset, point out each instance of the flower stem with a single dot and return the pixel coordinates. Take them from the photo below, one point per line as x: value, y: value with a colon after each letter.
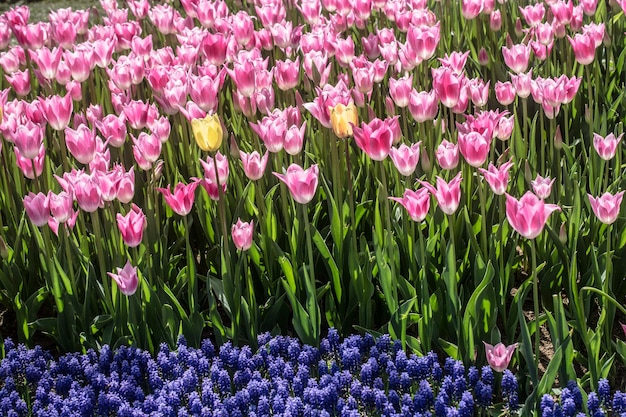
x: 535, y: 299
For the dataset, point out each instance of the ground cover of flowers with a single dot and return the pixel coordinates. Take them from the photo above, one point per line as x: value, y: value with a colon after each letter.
x: 446, y: 172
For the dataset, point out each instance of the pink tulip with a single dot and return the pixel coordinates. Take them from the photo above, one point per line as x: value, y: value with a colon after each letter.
x: 416, y: 203
x: 47, y: 61
x: 607, y: 206
x: 606, y: 146
x: 61, y: 206
x: 87, y: 192
x: 423, y: 105
x: 81, y: 143
x: 287, y: 74
x: 542, y: 187
x: 374, y: 138
x: 125, y: 190
x: 495, y: 21
x: 137, y: 114
x: 301, y: 183
x: 479, y: 92
x: 400, y: 90
x: 424, y: 40
x: 584, y: 48
x: 108, y: 181
x: 528, y: 215
x: 499, y: 356
x: 447, y: 155
x: 405, y: 158
x: 58, y: 111
x: 516, y: 57
x: 253, y: 164
x: 29, y: 139
x: 505, y: 93
x: 126, y: 279
x: 533, y: 13
x: 497, y: 178
x: 37, y: 208
x: 26, y: 165
x: 522, y: 83
x: 242, y: 234
x: 132, y: 226
x: 448, y: 85
x: 470, y: 9
x: 20, y: 81
x: 181, y: 202
x: 148, y: 146
x: 80, y: 62
x: 294, y: 139
x: 474, y: 147
x: 209, y: 182
x: 448, y: 195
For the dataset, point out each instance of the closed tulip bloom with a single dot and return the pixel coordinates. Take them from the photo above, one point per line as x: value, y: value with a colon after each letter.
x: 497, y: 178
x: 584, y: 48
x: 132, y: 226
x: 423, y: 105
x: 606, y: 146
x: 516, y: 57
x: 81, y: 143
x: 528, y: 216
x: 58, y: 111
x: 126, y: 279
x: 242, y: 234
x: 208, y: 132
x: 474, y: 147
x: 342, y: 118
x: 607, y: 206
x: 28, y: 139
x: 542, y: 187
x: 447, y: 155
x: 416, y: 203
x: 61, y: 206
x: 448, y: 85
x: 87, y: 193
x: 294, y: 139
x: 405, y: 158
x: 499, y: 356
x: 400, y: 90
x: 302, y: 183
x: 26, y: 165
x: 287, y: 74
x: 210, y: 180
x: 37, y: 208
x: 448, y: 195
x: 253, y: 164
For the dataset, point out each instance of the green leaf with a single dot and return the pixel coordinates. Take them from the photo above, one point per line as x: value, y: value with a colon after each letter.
x: 545, y: 385
x: 330, y: 263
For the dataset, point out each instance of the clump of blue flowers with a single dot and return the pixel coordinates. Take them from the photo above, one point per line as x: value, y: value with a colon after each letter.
x: 353, y: 377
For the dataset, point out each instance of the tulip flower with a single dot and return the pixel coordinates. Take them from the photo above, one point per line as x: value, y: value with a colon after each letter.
x: 423, y: 105
x: 126, y: 279
x: 499, y: 356
x: 405, y: 158
x: 60, y: 206
x: 542, y: 187
x: 584, y: 48
x: 81, y: 143
x: 181, y: 201
x: 342, y: 118
x: 497, y: 178
x: 448, y: 195
x: 474, y: 147
x: 607, y: 206
x: 447, y: 155
x: 38, y: 208
x: 301, y: 183
x: 132, y: 226
x: 416, y: 203
x: 606, y: 146
x: 374, y: 138
x: 528, y: 216
x: 516, y: 57
x: 242, y: 234
x: 208, y: 132
x: 253, y: 164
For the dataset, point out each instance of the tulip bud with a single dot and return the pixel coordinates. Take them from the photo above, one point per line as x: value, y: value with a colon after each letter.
x: 527, y: 172
x: 342, y: 118
x: 483, y: 57
x: 495, y: 21
x: 558, y: 139
x: 234, y: 149
x: 587, y: 114
x: 4, y: 250
x: 390, y: 107
x: 425, y: 162
x: 208, y: 132
x: 158, y: 169
x: 518, y: 28
x: 563, y: 234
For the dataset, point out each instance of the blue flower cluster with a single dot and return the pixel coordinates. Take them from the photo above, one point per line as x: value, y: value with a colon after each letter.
x: 356, y: 376
x: 570, y: 402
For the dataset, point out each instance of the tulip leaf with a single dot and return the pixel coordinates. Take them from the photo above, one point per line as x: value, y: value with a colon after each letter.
x: 330, y: 263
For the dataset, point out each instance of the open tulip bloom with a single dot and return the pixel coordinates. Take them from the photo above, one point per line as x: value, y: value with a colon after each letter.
x: 499, y: 356
x: 126, y: 279
x: 528, y: 216
x: 607, y: 206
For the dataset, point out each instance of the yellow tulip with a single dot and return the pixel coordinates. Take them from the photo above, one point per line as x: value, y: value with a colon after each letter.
x: 340, y: 118
x: 208, y: 132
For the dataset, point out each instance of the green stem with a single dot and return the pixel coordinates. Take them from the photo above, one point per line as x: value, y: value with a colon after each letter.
x: 192, y: 288
x: 483, y: 228
x: 535, y: 299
